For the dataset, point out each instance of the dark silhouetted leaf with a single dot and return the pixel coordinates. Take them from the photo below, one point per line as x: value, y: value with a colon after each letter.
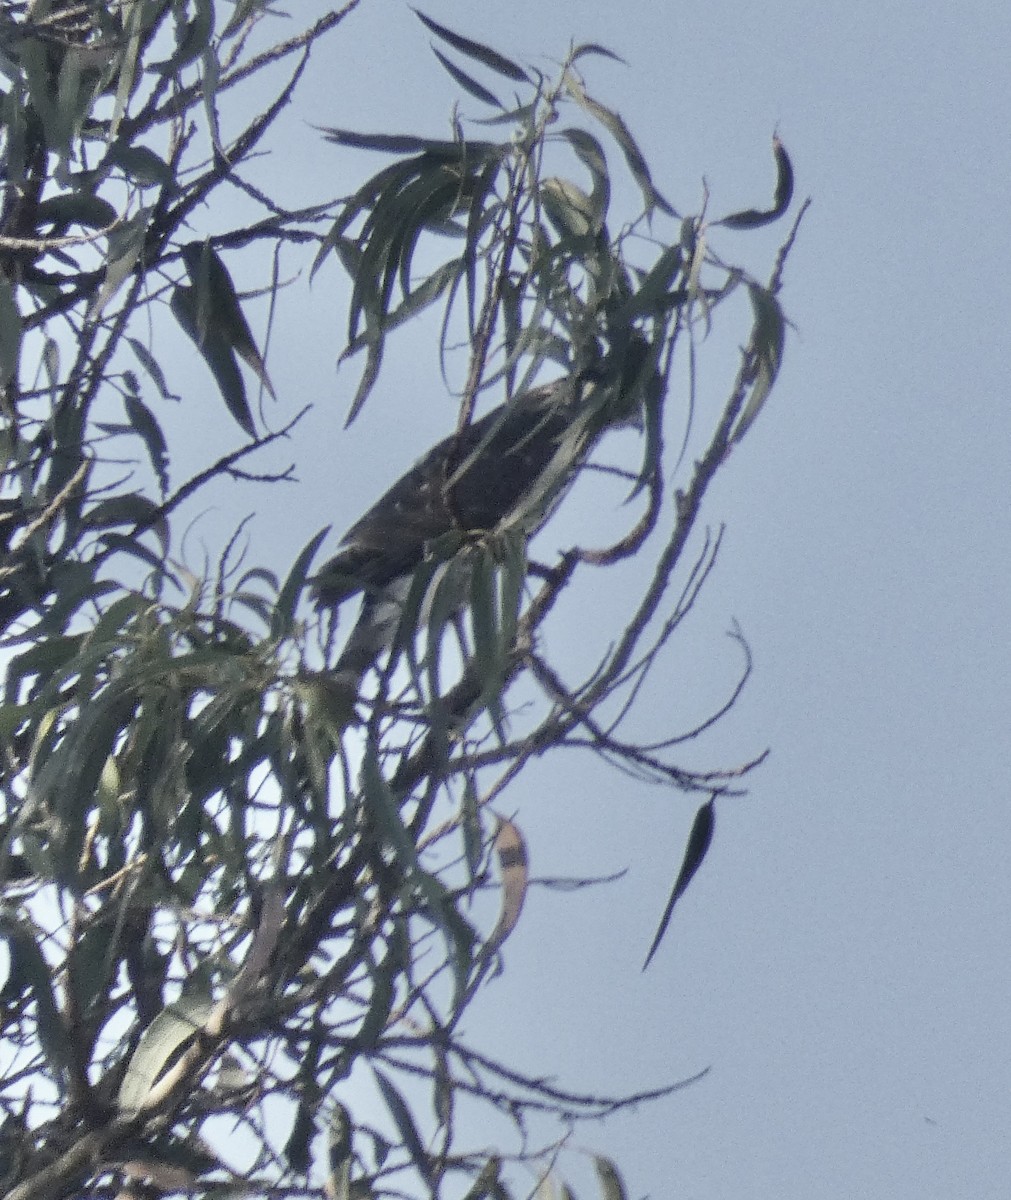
x: 151, y: 366
x: 404, y: 1122
x: 698, y: 844
x: 219, y: 355
x: 218, y: 305
x: 143, y: 422
x: 476, y: 50
x: 753, y: 218
x: 468, y: 83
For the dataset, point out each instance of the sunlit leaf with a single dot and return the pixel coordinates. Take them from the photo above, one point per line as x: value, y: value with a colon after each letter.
x: 514, y: 869
x: 125, y: 245
x: 171, y: 1029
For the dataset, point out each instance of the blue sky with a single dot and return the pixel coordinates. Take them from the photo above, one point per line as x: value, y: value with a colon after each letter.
x: 841, y: 962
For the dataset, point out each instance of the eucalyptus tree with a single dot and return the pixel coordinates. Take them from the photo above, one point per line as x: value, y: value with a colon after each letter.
x: 245, y: 852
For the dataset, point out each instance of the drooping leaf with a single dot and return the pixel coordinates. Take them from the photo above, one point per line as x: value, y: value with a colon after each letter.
x: 339, y: 1155
x: 513, y: 865
x: 10, y: 333
x: 147, y: 428
x: 125, y: 245
x: 29, y: 971
x: 611, y: 1185
x: 151, y: 366
x: 294, y: 585
x: 699, y: 840
x: 218, y: 304
x: 401, y: 1114
x: 217, y: 352
x: 615, y: 124
x: 767, y: 342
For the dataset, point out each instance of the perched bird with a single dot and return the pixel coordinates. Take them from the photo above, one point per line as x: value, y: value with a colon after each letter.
x: 506, y: 470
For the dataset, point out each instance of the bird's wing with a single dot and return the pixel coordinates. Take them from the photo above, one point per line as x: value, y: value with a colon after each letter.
x: 469, y: 482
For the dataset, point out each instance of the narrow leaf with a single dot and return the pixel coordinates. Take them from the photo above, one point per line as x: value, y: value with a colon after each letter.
x: 699, y: 841
x: 218, y: 298
x: 513, y: 864
x: 284, y: 609
x: 611, y: 1185
x: 404, y: 1122
x: 151, y: 366
x: 468, y: 83
x: 477, y: 50
x: 767, y: 341
x: 217, y: 353
x: 149, y: 431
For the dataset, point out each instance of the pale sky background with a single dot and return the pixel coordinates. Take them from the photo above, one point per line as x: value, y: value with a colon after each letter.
x: 843, y: 960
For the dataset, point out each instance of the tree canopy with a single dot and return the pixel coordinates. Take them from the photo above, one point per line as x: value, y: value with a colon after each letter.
x: 235, y: 880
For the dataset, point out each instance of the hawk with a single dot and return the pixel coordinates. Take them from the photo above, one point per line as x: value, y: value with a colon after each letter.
x: 506, y: 470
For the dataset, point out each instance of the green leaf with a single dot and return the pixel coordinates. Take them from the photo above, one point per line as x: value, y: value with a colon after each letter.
x: 10, y: 333
x: 595, y: 48
x: 139, y: 163
x: 129, y: 53
x: 31, y: 972
x: 611, y: 1185
x: 753, y: 218
x: 192, y: 37
x: 76, y: 208
x: 171, y: 1029
x: 339, y: 1152
x: 614, y: 123
x: 151, y: 366
x: 767, y: 342
x: 125, y: 245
